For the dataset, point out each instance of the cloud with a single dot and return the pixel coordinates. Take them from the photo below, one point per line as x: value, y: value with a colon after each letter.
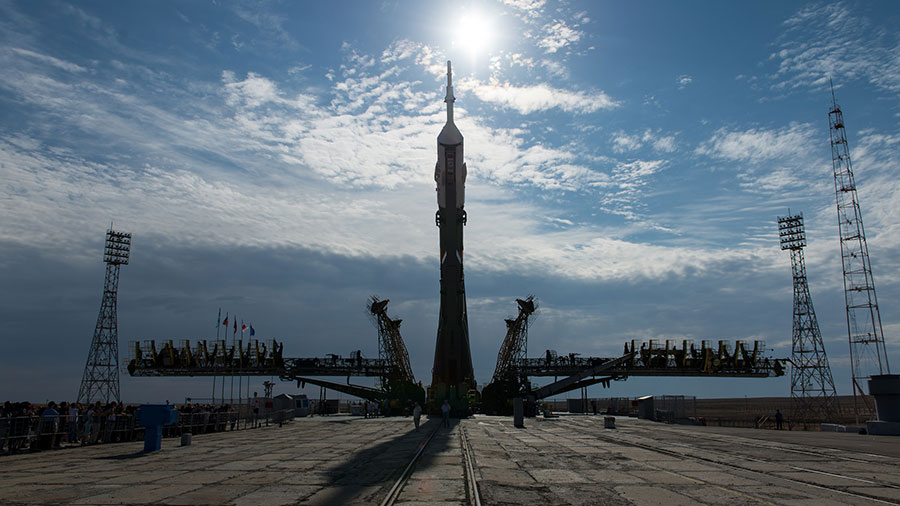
x: 823, y: 42
x: 540, y: 97
x: 756, y: 145
x: 684, y: 80
x: 623, y: 142
x: 531, y: 6
x: 558, y: 35
x: 400, y: 50
x: 43, y: 58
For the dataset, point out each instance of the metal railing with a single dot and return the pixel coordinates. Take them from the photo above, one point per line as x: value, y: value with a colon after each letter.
x: 33, y: 433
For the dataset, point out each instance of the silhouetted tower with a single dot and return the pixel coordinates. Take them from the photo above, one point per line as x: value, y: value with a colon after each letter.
x: 101, y: 373
x: 515, y: 344
x: 868, y: 355
x: 390, y: 345
x: 813, y: 396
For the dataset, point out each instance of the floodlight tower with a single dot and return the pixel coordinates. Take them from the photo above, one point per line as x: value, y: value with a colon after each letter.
x: 101, y: 373
x: 868, y: 356
x: 813, y: 396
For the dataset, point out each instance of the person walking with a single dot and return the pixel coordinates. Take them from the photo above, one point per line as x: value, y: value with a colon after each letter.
x: 445, y: 411
x: 417, y: 415
x: 779, y: 420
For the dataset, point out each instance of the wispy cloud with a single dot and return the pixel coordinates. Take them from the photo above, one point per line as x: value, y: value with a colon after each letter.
x: 683, y: 80
x: 558, y: 35
x: 44, y: 58
x: 823, y: 41
x: 757, y: 145
x: 540, y: 97
x: 623, y: 142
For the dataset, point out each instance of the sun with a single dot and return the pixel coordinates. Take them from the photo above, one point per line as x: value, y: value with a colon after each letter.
x: 475, y: 33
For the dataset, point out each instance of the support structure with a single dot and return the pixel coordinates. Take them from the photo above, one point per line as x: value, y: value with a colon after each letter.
x: 813, y: 396
x: 868, y: 356
x: 515, y: 344
x: 100, y: 381
x: 506, y: 383
x: 391, y: 348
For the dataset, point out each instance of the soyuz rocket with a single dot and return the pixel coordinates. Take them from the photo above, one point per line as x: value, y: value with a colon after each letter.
x: 452, y: 354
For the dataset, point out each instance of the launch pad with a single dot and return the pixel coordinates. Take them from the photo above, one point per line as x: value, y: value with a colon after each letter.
x: 453, y: 377
x: 569, y: 460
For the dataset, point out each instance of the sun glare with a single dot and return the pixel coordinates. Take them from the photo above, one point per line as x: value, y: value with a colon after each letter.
x: 474, y: 34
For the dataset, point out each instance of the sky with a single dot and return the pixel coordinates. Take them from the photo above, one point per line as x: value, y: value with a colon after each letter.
x: 626, y: 166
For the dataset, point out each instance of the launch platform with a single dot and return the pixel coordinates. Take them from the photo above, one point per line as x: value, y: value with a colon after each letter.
x: 572, y: 459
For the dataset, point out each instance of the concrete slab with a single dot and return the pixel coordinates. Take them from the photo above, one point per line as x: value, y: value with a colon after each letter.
x: 553, y: 476
x: 219, y: 494
x: 654, y: 496
x: 434, y: 490
x: 275, y: 495
x: 571, y: 460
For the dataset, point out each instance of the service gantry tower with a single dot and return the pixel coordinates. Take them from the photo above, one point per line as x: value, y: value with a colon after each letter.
x: 868, y: 356
x: 100, y: 381
x: 813, y: 396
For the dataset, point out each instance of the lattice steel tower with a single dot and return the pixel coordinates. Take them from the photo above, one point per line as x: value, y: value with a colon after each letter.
x: 101, y: 373
x: 813, y: 396
x: 390, y: 345
x: 868, y: 356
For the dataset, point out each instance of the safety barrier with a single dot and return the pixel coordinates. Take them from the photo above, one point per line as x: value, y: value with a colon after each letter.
x: 30, y: 433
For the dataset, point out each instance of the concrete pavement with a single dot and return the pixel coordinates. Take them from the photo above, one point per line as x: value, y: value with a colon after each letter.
x: 568, y: 460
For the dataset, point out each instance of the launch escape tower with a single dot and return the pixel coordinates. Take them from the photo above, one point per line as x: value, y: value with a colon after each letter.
x: 868, y: 356
x: 452, y: 375
x: 813, y: 396
x: 100, y: 381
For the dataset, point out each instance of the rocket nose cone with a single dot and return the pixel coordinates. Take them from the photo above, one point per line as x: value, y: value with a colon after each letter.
x: 450, y: 135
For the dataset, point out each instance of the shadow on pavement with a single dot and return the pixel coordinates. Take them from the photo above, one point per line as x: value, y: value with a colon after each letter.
x: 370, y: 473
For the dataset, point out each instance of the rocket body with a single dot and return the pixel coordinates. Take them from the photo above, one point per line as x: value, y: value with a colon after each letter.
x: 452, y: 354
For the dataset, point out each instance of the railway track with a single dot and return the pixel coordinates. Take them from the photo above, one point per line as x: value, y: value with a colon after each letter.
x: 473, y: 498
x: 727, y: 459
x: 827, y: 453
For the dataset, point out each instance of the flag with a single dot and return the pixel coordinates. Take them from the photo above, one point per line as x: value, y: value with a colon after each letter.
x: 235, y: 325
x: 225, y: 323
x: 252, y: 332
x: 219, y: 318
x: 243, y: 327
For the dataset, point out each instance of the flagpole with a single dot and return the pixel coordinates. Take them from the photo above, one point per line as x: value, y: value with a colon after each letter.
x: 218, y: 323
x: 222, y: 399
x: 240, y: 367
x: 252, y: 333
x: 233, y: 334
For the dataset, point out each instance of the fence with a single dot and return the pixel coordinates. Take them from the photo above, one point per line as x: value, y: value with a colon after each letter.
x: 25, y: 433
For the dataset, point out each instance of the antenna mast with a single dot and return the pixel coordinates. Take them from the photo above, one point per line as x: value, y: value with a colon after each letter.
x: 868, y: 356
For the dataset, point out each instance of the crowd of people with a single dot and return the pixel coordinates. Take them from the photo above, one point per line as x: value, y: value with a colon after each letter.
x: 29, y: 427
x: 26, y: 426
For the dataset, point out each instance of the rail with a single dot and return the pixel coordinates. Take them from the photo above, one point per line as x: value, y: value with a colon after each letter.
x: 252, y: 359
x: 34, y: 433
x: 652, y: 359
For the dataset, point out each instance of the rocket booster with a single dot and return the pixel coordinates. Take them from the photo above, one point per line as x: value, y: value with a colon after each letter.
x: 452, y: 356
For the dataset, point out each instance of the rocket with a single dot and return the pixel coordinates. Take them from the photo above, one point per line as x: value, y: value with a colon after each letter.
x: 452, y: 354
